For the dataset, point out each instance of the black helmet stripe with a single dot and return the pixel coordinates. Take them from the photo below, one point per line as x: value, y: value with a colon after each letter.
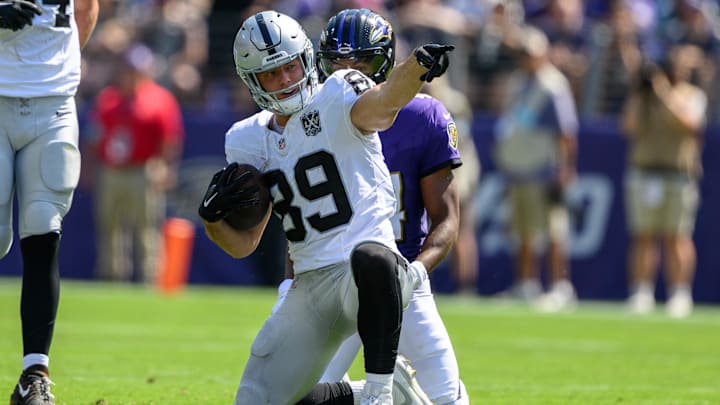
x: 262, y: 24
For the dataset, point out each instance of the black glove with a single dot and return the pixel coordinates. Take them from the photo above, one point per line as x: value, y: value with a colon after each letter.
x: 16, y: 14
x: 434, y: 58
x: 227, y: 192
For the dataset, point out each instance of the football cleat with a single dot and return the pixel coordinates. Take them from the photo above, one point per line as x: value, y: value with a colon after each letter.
x: 32, y: 389
x: 406, y: 390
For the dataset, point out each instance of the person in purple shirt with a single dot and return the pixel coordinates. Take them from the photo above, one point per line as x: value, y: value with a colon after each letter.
x: 420, y: 151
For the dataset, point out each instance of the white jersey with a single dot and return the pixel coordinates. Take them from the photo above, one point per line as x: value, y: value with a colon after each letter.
x: 42, y: 59
x: 329, y: 182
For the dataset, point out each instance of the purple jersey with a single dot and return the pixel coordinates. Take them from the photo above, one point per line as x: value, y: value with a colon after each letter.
x: 422, y: 141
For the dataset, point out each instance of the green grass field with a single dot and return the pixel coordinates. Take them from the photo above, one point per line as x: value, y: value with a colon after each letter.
x: 122, y: 345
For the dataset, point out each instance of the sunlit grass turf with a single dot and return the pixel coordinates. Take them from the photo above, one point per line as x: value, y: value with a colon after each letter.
x: 122, y: 345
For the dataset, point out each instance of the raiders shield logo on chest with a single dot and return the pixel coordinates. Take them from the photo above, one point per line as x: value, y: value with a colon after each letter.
x: 311, y: 123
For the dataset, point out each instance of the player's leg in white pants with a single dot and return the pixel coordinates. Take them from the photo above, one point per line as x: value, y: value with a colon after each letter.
x: 43, y: 137
x: 296, y: 343
x: 48, y: 167
x: 344, y: 356
x: 425, y: 342
x: 43, y: 166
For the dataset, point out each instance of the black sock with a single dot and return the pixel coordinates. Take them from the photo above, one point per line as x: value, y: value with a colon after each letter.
x: 336, y: 393
x: 375, y: 267
x: 40, y: 291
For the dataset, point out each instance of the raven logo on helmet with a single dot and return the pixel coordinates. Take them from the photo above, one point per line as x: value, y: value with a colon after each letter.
x: 381, y: 31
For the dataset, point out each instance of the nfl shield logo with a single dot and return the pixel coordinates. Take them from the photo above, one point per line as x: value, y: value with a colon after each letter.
x: 311, y: 123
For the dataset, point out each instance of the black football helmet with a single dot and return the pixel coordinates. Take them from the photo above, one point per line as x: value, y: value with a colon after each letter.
x: 361, y: 35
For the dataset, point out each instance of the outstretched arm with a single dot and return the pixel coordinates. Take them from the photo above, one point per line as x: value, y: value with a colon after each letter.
x: 377, y: 107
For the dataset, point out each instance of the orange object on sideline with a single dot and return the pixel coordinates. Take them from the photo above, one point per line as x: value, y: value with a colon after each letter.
x: 178, y: 237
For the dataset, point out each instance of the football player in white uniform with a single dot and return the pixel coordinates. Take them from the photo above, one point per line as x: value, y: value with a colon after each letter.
x: 321, y: 155
x: 422, y: 168
x: 40, y: 44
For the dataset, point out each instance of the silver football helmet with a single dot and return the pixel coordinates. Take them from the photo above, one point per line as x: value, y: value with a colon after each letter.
x: 265, y: 41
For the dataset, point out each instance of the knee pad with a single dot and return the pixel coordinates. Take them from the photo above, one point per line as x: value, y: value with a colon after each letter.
x: 60, y: 166
x: 45, y: 206
x: 41, y: 217
x: 250, y: 395
x: 372, y: 263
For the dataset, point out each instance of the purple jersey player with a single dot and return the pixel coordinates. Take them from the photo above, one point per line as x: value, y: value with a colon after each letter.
x: 420, y: 151
x: 432, y: 149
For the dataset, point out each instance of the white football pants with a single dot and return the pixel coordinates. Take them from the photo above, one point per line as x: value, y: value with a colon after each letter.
x: 424, y: 341
x: 295, y: 345
x: 40, y: 159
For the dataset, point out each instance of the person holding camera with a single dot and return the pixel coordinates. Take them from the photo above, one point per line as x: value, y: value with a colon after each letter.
x: 663, y: 120
x: 535, y: 151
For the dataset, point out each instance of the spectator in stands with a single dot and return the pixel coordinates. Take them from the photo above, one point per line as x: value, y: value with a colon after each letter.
x: 178, y: 36
x: 490, y: 56
x: 564, y: 22
x: 697, y: 22
x: 224, y: 94
x: 663, y: 120
x: 139, y: 142
x: 175, y: 30
x: 99, y: 58
x: 535, y: 152
x: 691, y: 22
x: 615, y: 53
x: 419, y: 21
